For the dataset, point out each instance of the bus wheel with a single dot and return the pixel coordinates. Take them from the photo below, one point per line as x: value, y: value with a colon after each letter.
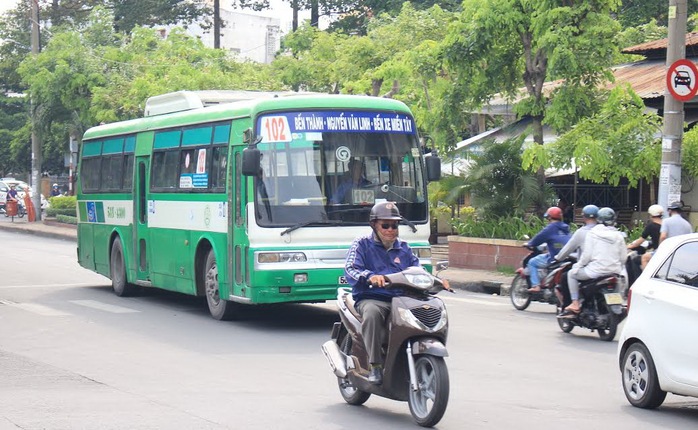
x: 118, y: 271
x: 220, y: 309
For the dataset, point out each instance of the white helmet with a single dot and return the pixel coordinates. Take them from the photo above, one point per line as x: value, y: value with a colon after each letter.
x: 655, y: 210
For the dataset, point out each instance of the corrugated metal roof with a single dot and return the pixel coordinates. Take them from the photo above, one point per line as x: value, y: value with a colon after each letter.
x: 647, y: 78
x: 661, y: 44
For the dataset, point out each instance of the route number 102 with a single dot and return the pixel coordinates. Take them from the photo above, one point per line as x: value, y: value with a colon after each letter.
x: 275, y: 129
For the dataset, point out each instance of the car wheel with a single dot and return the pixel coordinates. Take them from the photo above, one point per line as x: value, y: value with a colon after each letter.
x: 640, y: 382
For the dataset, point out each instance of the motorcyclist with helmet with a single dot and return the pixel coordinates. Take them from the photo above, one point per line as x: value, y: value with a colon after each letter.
x: 575, y: 246
x: 604, y: 254
x: 55, y: 190
x: 649, y: 234
x: 675, y: 225
x: 369, y: 258
x: 555, y: 235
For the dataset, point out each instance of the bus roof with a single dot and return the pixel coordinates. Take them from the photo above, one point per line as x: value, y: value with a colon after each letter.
x: 222, y: 105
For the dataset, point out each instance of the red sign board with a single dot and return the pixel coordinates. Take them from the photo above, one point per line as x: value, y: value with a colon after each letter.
x: 682, y: 80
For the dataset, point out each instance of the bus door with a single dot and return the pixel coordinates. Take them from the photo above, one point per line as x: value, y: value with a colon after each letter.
x: 140, y: 203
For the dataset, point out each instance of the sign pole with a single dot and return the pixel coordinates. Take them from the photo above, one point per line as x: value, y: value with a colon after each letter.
x: 672, y: 133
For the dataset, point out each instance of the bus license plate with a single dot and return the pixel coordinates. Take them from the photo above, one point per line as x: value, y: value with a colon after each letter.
x: 613, y: 298
x: 342, y: 281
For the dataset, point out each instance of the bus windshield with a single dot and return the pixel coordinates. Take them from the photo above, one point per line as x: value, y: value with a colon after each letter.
x: 330, y: 165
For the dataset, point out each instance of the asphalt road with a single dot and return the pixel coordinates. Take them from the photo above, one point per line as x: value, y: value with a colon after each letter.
x: 73, y: 355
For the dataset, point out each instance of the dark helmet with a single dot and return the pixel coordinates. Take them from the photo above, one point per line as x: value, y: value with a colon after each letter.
x: 675, y: 206
x: 553, y: 212
x: 590, y: 211
x: 607, y: 216
x: 385, y: 210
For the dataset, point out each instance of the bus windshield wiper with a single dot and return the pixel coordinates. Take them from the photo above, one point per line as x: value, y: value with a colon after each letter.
x: 314, y: 222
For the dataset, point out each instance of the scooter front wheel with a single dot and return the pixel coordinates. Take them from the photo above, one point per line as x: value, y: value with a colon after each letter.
x: 428, y: 403
x: 519, y: 295
x: 349, y: 392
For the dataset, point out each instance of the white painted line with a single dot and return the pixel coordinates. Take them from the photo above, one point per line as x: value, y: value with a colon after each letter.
x: 55, y: 286
x: 41, y: 309
x: 104, y: 306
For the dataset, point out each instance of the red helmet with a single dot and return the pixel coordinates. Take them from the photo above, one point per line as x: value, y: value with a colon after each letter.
x: 553, y: 212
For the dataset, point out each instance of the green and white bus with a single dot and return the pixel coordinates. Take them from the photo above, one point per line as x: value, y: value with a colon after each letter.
x: 231, y: 195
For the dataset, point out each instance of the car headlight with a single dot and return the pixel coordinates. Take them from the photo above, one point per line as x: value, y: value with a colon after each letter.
x: 420, y: 280
x: 281, y: 257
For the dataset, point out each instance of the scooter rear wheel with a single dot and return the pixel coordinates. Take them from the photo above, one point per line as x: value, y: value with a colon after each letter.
x: 349, y: 392
x: 428, y: 403
x: 519, y: 295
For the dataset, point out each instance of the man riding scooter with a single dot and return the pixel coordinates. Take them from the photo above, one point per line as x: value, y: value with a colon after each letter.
x: 369, y: 258
x: 555, y: 235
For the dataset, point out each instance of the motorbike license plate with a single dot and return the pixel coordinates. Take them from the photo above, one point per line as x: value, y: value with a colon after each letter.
x: 613, y: 298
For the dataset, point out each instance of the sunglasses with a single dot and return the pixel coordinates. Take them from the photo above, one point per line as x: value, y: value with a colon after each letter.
x: 386, y: 226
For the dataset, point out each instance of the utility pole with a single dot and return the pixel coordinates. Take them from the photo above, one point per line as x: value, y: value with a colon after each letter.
x: 672, y: 133
x: 36, y: 139
x: 217, y: 24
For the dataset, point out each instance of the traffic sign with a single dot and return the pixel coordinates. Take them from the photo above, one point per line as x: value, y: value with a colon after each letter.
x: 682, y: 80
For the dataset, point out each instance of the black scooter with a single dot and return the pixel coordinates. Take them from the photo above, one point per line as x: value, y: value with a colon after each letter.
x: 602, y: 307
x: 415, y: 370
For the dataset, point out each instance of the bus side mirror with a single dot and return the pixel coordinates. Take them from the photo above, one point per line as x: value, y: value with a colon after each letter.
x: 433, y: 163
x: 251, y: 161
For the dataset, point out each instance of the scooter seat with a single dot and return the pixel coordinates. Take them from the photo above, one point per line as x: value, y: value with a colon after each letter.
x: 349, y: 300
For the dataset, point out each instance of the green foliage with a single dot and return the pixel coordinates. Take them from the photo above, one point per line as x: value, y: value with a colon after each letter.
x: 689, y: 153
x: 54, y: 212
x: 498, y: 184
x: 510, y: 227
x: 634, y: 13
x: 617, y: 142
x: 67, y: 219
x: 63, y: 202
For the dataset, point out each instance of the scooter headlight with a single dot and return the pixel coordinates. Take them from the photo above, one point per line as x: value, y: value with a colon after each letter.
x: 420, y: 280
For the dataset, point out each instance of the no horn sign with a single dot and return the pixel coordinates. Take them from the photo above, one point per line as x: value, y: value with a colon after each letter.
x: 682, y: 80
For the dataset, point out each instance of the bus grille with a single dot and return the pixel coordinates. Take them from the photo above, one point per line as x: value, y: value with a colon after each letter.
x: 429, y: 316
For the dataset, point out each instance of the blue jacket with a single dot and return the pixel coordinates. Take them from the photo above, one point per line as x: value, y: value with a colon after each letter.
x: 555, y: 235
x: 367, y: 257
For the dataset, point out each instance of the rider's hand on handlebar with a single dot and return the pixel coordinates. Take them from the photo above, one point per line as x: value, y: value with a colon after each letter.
x: 447, y: 286
x: 377, y: 281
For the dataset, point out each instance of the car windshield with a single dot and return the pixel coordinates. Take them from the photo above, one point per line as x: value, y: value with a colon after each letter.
x: 338, y: 175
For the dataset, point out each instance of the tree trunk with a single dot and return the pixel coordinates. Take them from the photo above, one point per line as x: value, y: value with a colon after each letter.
x: 294, y: 5
x: 314, y: 13
x: 217, y: 24
x: 376, y: 85
x: 393, y: 90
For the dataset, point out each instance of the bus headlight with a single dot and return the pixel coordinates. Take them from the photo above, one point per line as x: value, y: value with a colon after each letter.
x: 281, y: 257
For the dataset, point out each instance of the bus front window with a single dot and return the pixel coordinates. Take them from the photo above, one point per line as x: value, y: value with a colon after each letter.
x: 323, y: 176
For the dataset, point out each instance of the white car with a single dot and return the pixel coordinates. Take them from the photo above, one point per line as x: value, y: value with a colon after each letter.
x: 658, y: 346
x: 21, y: 187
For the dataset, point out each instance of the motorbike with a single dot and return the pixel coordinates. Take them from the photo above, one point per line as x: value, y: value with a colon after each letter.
x: 602, y: 307
x: 414, y: 370
x: 551, y: 277
x: 21, y: 209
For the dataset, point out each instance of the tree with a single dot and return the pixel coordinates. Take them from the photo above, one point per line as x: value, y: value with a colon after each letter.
x: 633, y: 13
x: 500, y: 46
x: 498, y: 184
x: 617, y: 142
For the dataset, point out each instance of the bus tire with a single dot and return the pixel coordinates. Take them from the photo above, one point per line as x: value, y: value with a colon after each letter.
x: 117, y: 269
x: 220, y: 309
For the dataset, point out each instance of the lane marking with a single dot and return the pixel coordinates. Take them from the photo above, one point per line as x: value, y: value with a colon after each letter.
x: 54, y: 286
x: 40, y: 309
x: 94, y: 304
